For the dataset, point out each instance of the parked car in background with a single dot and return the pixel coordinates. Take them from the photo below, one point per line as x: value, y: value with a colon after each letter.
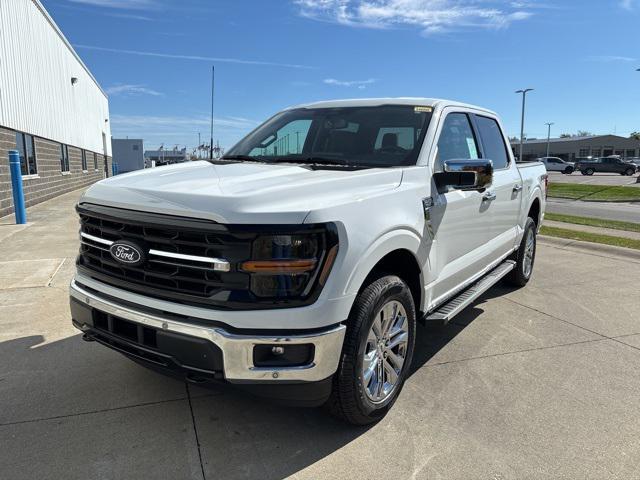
x: 607, y: 165
x: 556, y: 164
x: 634, y: 160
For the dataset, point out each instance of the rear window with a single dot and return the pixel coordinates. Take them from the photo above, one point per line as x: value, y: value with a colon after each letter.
x: 493, y: 142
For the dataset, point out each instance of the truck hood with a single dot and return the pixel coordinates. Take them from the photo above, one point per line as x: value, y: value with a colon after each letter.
x: 240, y: 193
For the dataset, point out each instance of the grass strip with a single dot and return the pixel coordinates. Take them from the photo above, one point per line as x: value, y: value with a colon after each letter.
x: 594, y: 193
x: 591, y: 237
x: 594, y: 222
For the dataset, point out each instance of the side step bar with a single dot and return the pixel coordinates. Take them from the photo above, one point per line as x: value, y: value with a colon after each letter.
x: 458, y: 303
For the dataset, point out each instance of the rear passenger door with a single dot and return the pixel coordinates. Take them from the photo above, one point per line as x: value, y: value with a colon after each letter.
x: 505, y: 193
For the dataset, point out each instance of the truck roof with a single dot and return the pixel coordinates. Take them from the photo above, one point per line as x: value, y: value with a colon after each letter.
x: 373, y: 102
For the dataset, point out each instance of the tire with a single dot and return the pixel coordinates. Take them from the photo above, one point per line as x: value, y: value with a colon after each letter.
x: 628, y: 172
x: 589, y: 171
x: 521, y: 273
x: 582, y: 172
x: 568, y: 171
x: 351, y: 397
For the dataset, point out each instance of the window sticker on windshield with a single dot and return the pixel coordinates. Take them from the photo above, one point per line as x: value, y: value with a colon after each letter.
x: 471, y: 143
x: 423, y: 109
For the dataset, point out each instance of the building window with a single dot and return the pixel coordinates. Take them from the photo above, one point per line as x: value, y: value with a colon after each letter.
x: 27, y: 149
x: 84, y: 160
x: 584, y: 152
x: 64, y: 158
x: 596, y: 152
x: 136, y: 147
x: 95, y: 160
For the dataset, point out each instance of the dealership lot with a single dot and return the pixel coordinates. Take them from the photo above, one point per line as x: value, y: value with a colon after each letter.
x: 609, y: 179
x: 541, y: 382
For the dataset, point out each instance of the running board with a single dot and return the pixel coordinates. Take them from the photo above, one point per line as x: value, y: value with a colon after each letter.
x: 458, y: 303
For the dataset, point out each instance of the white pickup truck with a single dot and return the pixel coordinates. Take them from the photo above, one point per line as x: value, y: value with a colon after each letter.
x: 297, y: 265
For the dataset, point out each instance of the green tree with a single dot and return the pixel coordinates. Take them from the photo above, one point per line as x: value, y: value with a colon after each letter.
x: 635, y: 135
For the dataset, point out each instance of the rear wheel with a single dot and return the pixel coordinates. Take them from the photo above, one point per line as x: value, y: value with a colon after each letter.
x: 377, y: 352
x: 524, y: 257
x: 629, y: 171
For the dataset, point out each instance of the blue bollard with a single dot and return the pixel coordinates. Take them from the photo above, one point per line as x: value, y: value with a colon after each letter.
x: 16, y: 186
x: 114, y: 168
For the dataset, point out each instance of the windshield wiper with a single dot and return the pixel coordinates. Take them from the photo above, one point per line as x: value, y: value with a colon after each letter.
x: 243, y: 158
x: 312, y: 161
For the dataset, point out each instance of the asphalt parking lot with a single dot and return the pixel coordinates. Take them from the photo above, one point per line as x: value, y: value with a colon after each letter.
x: 612, y: 179
x: 542, y: 382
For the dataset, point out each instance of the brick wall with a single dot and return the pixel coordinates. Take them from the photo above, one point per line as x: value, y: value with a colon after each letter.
x: 49, y: 182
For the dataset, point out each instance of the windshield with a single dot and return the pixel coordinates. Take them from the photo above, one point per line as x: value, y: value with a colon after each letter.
x: 383, y: 136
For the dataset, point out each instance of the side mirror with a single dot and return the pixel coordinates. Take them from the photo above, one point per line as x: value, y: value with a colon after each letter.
x: 465, y: 175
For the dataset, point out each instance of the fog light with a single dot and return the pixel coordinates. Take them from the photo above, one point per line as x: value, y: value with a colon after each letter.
x: 296, y: 355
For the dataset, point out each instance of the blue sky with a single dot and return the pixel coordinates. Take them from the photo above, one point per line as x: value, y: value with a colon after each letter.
x: 154, y: 59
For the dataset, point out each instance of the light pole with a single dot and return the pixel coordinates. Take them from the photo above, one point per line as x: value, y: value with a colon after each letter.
x: 548, y: 136
x: 524, y: 96
x: 213, y: 79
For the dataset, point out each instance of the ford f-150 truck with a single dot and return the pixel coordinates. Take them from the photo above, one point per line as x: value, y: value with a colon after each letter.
x: 297, y: 265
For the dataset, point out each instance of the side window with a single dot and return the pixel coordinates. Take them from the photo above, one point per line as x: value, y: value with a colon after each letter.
x: 493, y: 142
x: 457, y: 141
x: 288, y: 141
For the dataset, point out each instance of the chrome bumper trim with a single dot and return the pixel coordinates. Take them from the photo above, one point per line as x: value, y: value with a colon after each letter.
x: 237, y: 350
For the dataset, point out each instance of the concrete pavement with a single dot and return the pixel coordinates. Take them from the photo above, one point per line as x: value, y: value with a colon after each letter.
x: 541, y: 382
x: 626, y: 212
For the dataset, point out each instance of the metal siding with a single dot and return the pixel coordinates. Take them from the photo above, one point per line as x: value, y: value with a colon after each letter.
x: 36, y: 95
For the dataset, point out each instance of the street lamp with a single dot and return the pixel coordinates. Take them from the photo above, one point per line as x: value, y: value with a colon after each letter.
x: 548, y: 136
x: 524, y: 96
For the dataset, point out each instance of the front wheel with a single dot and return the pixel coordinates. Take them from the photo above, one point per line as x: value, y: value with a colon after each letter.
x: 629, y: 171
x: 377, y: 352
x: 589, y: 171
x: 524, y: 257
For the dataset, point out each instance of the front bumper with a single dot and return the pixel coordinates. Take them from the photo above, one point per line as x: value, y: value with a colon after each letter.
x: 237, y: 349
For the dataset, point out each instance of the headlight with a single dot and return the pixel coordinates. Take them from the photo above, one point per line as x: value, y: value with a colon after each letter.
x: 289, y: 265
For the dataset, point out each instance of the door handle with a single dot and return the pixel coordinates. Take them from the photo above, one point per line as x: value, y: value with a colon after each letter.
x: 517, y: 188
x: 488, y: 197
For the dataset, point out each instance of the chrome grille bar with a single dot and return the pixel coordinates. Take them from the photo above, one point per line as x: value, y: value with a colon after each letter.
x: 218, y: 264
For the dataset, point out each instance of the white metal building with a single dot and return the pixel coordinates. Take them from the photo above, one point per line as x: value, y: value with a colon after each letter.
x: 52, y: 109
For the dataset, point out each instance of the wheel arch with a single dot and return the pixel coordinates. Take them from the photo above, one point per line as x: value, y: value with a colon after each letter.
x: 394, y: 255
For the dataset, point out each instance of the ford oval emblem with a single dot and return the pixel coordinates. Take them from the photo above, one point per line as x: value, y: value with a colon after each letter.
x: 127, y: 252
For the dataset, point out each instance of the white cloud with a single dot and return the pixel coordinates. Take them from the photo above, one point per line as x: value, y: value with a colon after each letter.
x: 124, y: 4
x: 627, y: 4
x: 611, y: 58
x: 431, y: 16
x: 131, y: 90
x: 192, y: 57
x: 179, y: 130
x: 361, y: 84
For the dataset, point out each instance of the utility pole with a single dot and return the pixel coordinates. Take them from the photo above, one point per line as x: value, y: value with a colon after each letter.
x: 524, y: 96
x: 213, y: 77
x: 548, y: 136
x: 199, y: 146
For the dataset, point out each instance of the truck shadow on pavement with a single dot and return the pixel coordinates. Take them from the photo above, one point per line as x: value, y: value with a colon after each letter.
x: 72, y: 386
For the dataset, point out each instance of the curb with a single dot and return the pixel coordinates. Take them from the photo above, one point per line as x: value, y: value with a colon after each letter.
x: 610, y: 250
x: 597, y: 201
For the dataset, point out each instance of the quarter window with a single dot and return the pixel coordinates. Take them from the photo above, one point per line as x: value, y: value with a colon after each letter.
x: 457, y: 141
x: 493, y: 142
x: 26, y: 147
x: 64, y: 158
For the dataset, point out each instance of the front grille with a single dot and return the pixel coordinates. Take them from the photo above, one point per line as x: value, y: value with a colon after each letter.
x: 175, y: 247
x: 181, y: 278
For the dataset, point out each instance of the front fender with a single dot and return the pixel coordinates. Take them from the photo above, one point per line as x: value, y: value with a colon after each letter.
x: 394, y: 240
